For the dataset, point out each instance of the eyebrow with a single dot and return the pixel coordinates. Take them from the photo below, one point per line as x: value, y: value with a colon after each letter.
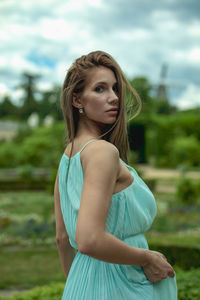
x: 103, y: 82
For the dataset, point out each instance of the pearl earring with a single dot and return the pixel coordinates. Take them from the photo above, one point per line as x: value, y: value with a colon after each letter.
x: 80, y: 110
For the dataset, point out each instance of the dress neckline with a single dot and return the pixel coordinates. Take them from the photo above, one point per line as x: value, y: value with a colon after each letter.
x: 134, y: 174
x: 80, y: 150
x: 71, y: 156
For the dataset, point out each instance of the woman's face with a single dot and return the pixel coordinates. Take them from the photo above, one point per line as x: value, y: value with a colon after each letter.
x: 100, y: 95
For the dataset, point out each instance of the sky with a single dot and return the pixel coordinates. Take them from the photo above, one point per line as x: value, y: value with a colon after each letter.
x: 45, y: 37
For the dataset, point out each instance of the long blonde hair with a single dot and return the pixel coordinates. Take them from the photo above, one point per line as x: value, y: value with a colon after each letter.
x: 75, y: 82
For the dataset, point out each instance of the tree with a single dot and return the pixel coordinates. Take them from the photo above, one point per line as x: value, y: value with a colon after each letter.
x: 150, y: 105
x: 50, y: 104
x: 7, y: 108
x: 29, y: 102
x: 163, y: 107
x: 143, y: 88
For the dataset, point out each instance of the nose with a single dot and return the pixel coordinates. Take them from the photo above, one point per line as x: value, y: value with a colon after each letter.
x: 113, y: 98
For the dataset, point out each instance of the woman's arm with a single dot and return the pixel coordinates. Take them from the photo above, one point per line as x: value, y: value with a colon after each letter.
x: 101, y: 166
x: 66, y: 252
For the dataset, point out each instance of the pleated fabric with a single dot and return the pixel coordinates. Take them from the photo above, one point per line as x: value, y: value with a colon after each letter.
x: 130, y: 215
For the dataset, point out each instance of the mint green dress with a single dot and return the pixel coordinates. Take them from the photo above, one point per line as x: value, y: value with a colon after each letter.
x: 131, y: 213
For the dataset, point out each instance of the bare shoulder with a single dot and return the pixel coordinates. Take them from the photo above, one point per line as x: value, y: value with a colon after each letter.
x: 98, y: 152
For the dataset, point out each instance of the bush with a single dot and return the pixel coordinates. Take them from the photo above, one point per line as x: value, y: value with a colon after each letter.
x: 24, y: 184
x: 187, y: 191
x: 163, y: 224
x: 185, y: 150
x: 42, y: 148
x: 184, y: 257
x: 188, y: 288
x: 188, y: 284
x: 50, y: 292
x: 26, y: 171
x: 8, y: 155
x: 167, y: 134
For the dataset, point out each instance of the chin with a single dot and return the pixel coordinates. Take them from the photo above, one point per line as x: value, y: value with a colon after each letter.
x: 106, y: 122
x: 109, y: 122
x: 112, y: 121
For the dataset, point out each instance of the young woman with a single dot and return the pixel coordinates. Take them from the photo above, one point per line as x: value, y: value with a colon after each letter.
x: 102, y: 206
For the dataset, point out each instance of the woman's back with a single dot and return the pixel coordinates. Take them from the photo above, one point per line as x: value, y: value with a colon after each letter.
x: 102, y: 203
x: 131, y: 213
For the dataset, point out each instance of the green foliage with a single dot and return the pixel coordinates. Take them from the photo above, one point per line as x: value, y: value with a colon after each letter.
x: 184, y: 257
x: 42, y: 148
x: 177, y: 219
x: 188, y: 191
x: 29, y: 266
x: 163, y: 107
x: 182, y: 238
x: 142, y: 86
x: 51, y: 292
x: 26, y: 171
x: 8, y: 155
x: 19, y: 225
x: 188, y: 284
x: 163, y: 224
x: 173, y: 139
x: 188, y: 288
x: 48, y: 103
x: 29, y: 101
x: 23, y: 132
x: 185, y: 150
x: 26, y: 184
x: 132, y: 158
x: 8, y: 109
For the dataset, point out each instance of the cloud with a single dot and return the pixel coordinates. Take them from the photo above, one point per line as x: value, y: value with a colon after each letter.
x: 190, y: 98
x: 44, y: 37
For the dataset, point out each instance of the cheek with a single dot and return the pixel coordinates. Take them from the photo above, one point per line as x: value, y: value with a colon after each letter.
x: 95, y: 103
x: 98, y: 104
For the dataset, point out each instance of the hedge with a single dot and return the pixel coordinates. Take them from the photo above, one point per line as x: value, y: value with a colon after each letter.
x: 19, y: 184
x: 50, y: 292
x: 188, y: 288
x: 184, y: 257
x: 188, y: 284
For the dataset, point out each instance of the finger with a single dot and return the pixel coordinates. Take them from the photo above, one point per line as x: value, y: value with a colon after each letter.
x: 171, y: 273
x: 163, y: 256
x: 157, y: 279
x: 164, y: 276
x: 156, y: 273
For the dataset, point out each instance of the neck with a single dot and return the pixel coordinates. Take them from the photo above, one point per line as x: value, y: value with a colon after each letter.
x: 90, y: 129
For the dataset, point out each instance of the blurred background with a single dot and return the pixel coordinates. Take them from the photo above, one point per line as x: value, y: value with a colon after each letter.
x: 157, y: 45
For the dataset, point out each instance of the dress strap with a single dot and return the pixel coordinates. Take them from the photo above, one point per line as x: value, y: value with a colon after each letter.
x: 88, y: 143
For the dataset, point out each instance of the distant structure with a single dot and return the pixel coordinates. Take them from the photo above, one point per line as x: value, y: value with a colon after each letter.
x: 33, y: 120
x: 161, y: 93
x: 8, y: 130
x: 48, y: 121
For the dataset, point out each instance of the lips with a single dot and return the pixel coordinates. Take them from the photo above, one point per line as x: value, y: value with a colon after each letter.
x: 113, y: 109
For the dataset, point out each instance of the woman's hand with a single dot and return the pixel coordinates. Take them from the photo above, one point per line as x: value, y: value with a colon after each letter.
x: 157, y: 267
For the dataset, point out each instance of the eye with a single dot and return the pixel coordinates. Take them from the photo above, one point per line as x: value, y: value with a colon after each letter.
x: 99, y: 89
x: 115, y: 88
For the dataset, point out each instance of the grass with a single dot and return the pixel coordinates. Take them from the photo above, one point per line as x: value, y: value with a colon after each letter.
x: 189, y: 238
x: 24, y: 203
x: 26, y: 268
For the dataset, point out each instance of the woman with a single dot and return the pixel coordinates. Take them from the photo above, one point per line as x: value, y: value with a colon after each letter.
x: 102, y: 206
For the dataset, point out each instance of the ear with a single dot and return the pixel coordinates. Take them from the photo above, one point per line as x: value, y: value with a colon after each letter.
x: 76, y: 101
